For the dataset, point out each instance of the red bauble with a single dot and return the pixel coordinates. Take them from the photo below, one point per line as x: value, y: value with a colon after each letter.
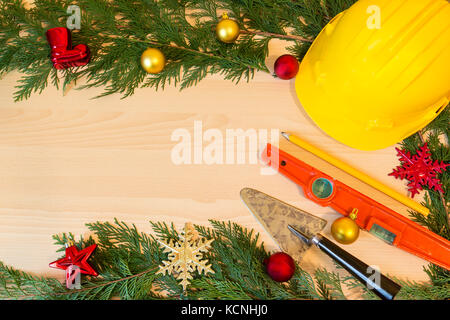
x: 286, y: 67
x: 280, y: 266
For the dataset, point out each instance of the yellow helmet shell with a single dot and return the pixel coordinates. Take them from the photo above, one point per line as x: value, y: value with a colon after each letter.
x: 378, y: 72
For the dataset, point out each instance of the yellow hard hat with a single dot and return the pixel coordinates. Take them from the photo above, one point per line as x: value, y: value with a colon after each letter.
x: 378, y: 72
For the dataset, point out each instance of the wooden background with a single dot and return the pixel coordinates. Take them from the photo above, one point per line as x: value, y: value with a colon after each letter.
x: 66, y: 160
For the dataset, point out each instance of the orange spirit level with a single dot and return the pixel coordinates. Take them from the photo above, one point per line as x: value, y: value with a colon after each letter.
x: 379, y: 220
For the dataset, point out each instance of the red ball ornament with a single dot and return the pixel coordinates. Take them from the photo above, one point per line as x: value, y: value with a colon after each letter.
x: 286, y: 67
x: 280, y: 266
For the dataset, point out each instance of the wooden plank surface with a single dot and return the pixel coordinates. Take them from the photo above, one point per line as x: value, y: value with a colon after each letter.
x: 66, y: 160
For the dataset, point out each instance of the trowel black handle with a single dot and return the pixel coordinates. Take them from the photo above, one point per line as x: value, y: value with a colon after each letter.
x: 379, y: 284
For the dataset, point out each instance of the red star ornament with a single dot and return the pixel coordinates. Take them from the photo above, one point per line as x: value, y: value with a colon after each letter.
x: 419, y: 169
x: 77, y: 258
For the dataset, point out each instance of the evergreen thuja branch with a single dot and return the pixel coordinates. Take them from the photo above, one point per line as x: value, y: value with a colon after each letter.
x: 210, y: 288
x: 26, y: 287
x: 19, y: 285
x: 164, y: 232
x: 435, y: 141
x: 118, y: 31
x: 277, y: 36
x: 424, y: 291
x: 329, y: 284
x: 436, y: 134
x: 198, y: 52
x: 127, y: 261
x: 237, y: 256
x: 107, y: 289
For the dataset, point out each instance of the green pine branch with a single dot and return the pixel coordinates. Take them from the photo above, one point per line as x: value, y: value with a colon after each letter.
x: 127, y: 261
x: 118, y: 31
x: 436, y: 135
x: 15, y: 284
x: 329, y: 284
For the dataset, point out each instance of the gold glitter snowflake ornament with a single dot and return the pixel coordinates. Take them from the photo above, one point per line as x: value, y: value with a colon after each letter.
x: 185, y: 256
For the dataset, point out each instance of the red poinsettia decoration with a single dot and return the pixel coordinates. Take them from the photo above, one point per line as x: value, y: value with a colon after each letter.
x: 419, y: 169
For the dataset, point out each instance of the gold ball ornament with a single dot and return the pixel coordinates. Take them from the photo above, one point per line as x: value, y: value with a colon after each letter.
x: 227, y: 30
x: 345, y: 230
x: 153, y: 60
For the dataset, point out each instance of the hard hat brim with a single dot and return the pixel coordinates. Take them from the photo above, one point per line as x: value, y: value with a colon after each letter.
x: 340, y: 127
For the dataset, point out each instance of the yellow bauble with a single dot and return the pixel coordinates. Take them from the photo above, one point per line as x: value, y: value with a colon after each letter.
x: 345, y: 230
x: 227, y: 30
x: 153, y: 60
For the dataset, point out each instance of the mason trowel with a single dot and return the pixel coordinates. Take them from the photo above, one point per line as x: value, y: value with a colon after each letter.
x: 275, y: 216
x: 295, y: 230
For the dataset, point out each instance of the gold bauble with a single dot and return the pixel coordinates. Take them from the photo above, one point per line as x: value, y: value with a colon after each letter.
x: 227, y: 30
x: 153, y: 60
x: 345, y: 230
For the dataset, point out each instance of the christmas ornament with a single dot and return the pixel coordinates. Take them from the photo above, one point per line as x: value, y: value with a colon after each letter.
x: 368, y: 86
x: 227, y: 30
x: 307, y: 230
x: 153, y: 60
x: 280, y: 266
x: 133, y: 279
x: 286, y: 67
x: 381, y: 221
x: 420, y: 170
x: 77, y: 258
x: 75, y: 263
x: 345, y: 230
x: 385, y: 288
x: 185, y: 256
x: 62, y: 54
